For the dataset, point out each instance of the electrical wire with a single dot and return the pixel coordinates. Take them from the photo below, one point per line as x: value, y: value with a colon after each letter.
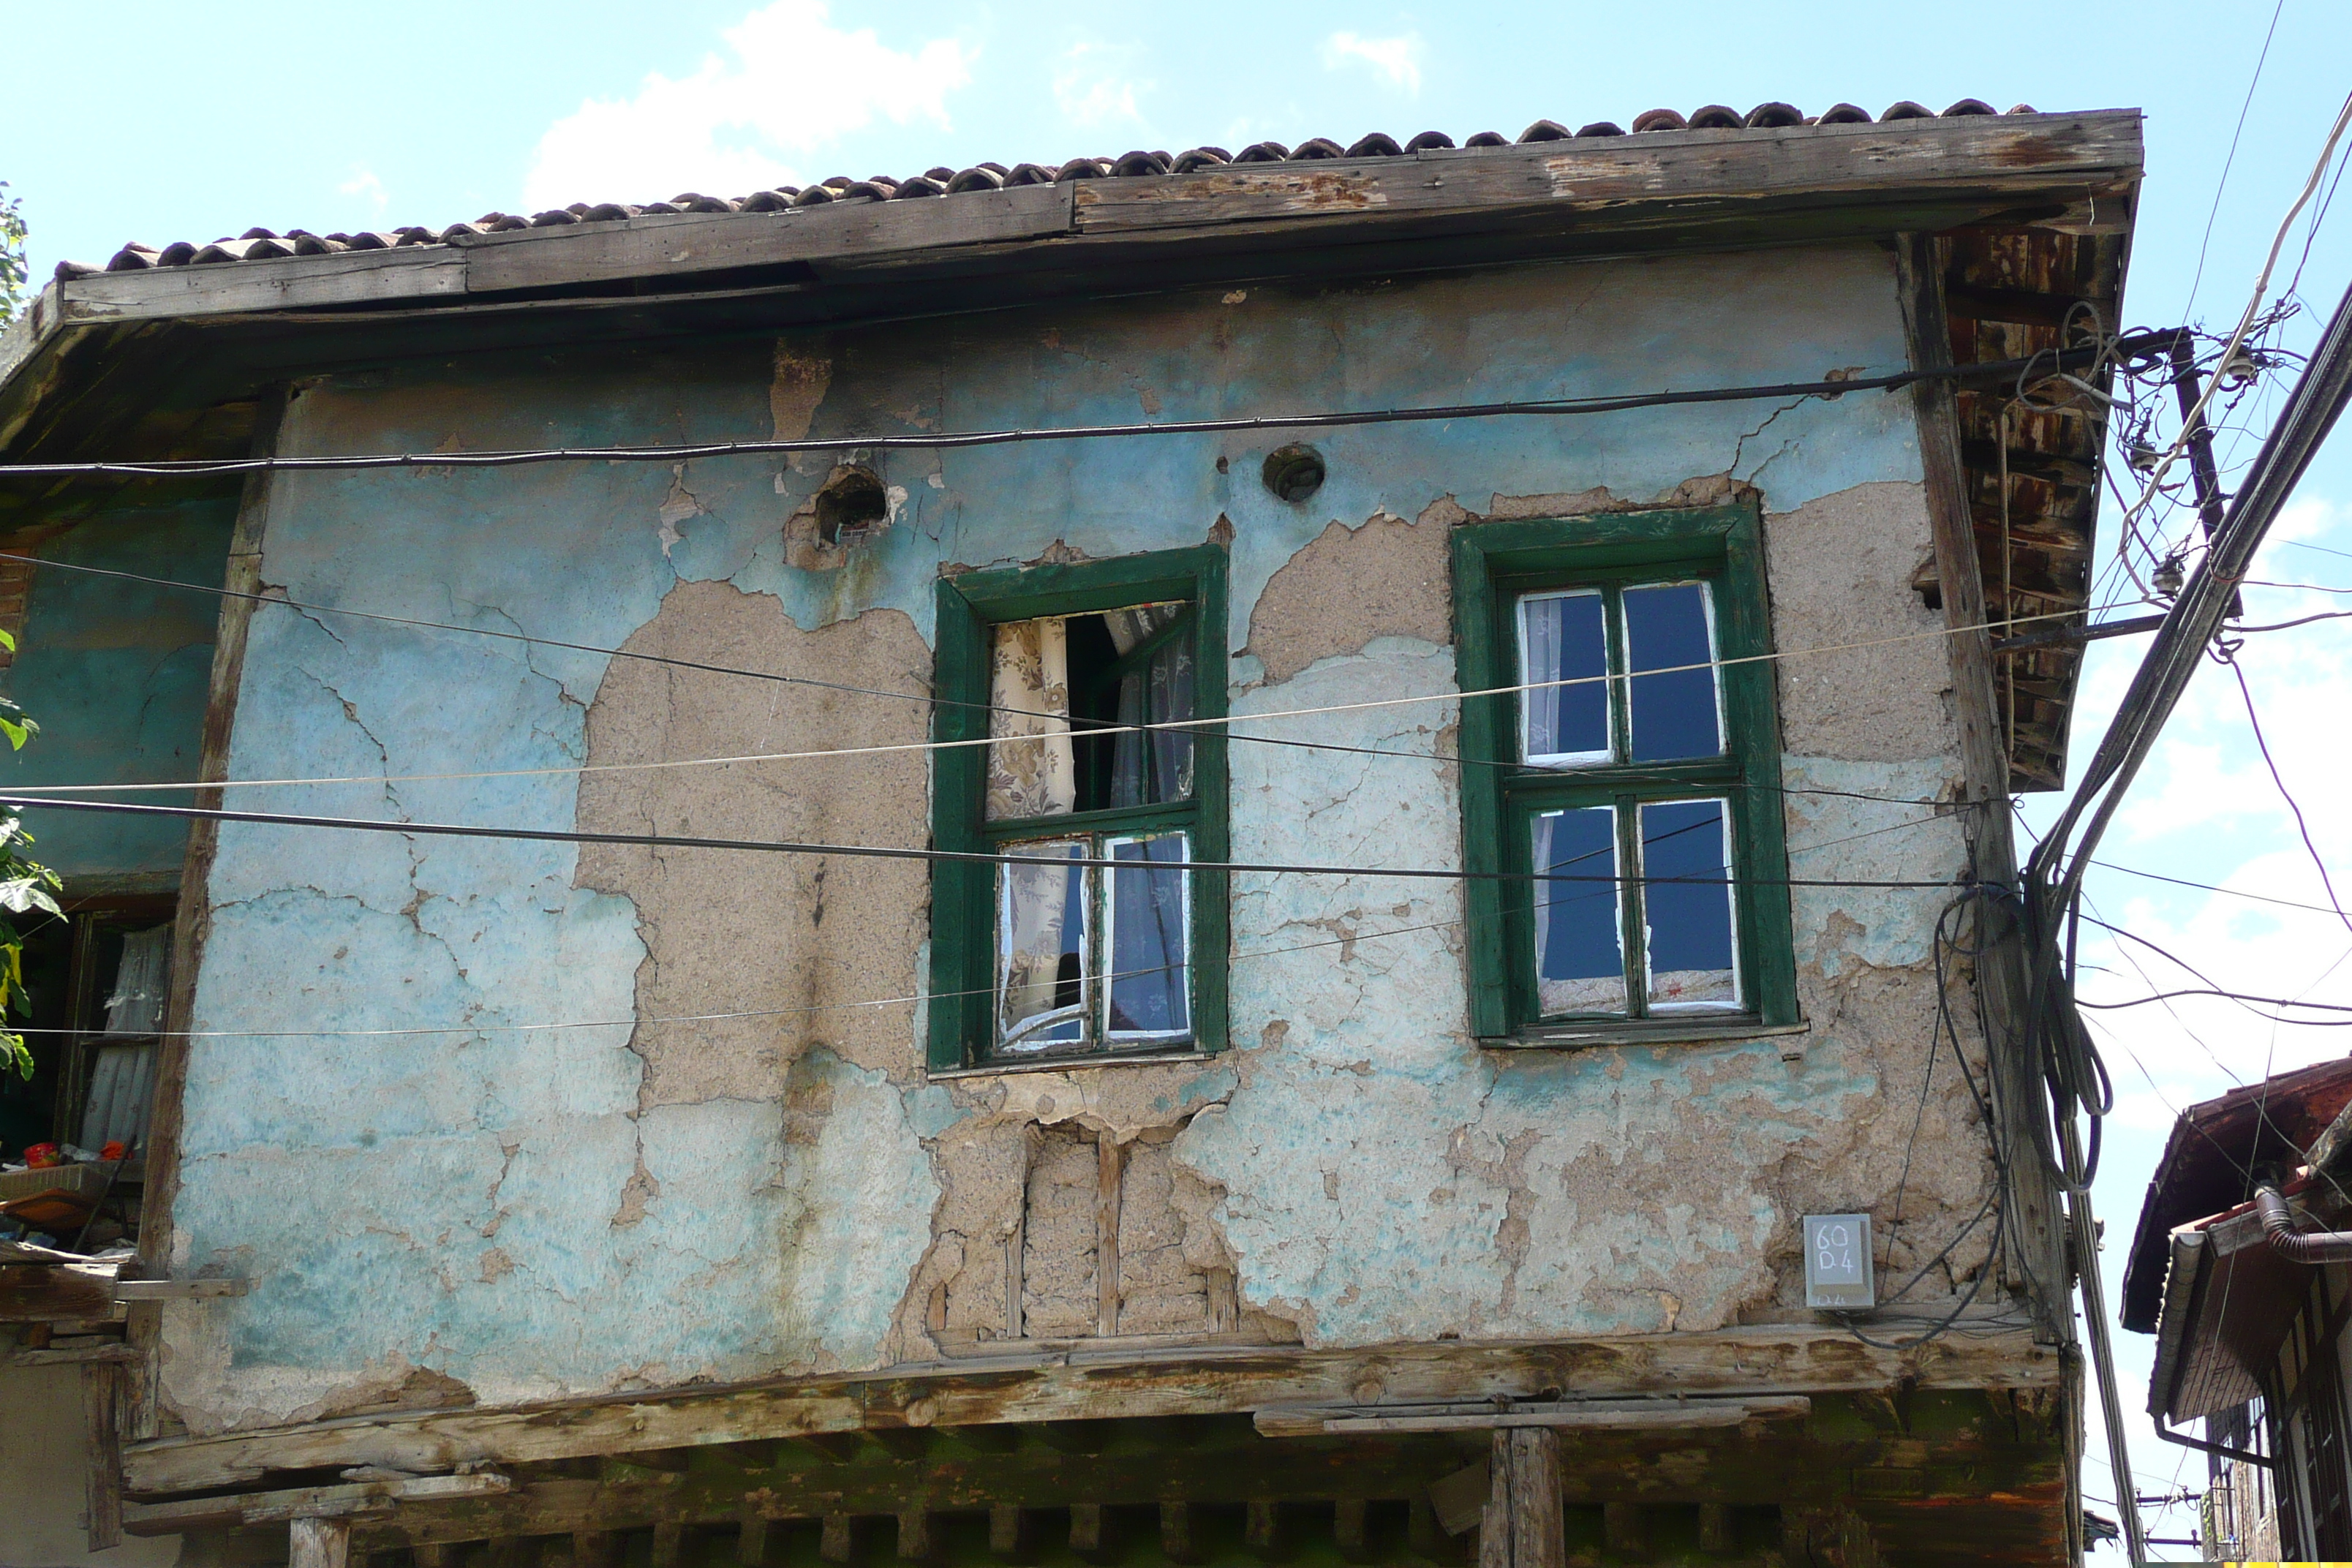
x: 680, y: 452
x: 2228, y: 161
x: 2303, y: 828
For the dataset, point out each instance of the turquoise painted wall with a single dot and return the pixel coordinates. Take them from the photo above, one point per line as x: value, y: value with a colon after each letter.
x: 116, y: 673
x: 449, y: 1200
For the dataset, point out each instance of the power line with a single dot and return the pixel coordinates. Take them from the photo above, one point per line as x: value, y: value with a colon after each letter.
x: 935, y: 441
x: 894, y: 852
x: 2228, y: 161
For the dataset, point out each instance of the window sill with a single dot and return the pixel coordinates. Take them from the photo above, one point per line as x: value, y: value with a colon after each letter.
x: 1070, y: 1064
x: 1640, y: 1032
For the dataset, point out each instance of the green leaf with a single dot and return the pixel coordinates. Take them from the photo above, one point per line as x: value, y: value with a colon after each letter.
x: 17, y: 734
x: 7, y: 640
x: 14, y: 1053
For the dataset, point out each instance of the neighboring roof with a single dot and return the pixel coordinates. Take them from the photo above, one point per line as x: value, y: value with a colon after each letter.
x: 2208, y: 1165
x: 263, y: 244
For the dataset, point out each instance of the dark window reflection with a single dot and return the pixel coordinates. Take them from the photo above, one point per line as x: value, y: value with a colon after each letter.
x: 1690, y: 920
x: 1580, y: 956
x: 1674, y: 715
x: 1563, y: 637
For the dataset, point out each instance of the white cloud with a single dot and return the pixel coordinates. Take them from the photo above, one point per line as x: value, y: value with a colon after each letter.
x: 363, y: 183
x: 787, y: 84
x: 1094, y: 90
x: 1396, y: 60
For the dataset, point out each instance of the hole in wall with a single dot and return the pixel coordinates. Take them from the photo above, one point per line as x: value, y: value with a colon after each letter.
x: 1294, y: 473
x: 852, y: 505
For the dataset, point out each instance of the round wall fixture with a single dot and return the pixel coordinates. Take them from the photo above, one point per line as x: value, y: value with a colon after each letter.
x: 852, y: 502
x: 1294, y: 473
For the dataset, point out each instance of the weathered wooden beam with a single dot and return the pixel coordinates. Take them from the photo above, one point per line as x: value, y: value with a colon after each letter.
x: 1623, y: 1528
x: 915, y: 1542
x: 1984, y: 457
x: 178, y: 1290
x: 1714, y: 1533
x: 1349, y: 1534
x: 410, y: 272
x: 589, y: 1548
x: 1110, y: 1163
x: 837, y: 1540
x: 751, y: 1540
x: 663, y: 244
x: 1092, y: 1537
x: 1012, y: 1533
x: 1595, y: 1415
x: 2017, y: 153
x: 668, y: 1544
x: 2022, y: 306
x: 1069, y: 1386
x: 1261, y: 1529
x: 319, y: 1543
x: 270, y: 1508
x: 56, y: 1293
x: 1177, y: 1541
x: 1523, y: 1527
x: 101, y: 1397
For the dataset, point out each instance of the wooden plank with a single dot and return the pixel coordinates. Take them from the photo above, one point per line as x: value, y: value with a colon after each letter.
x: 751, y: 1542
x: 293, y: 282
x: 1176, y: 1537
x: 178, y: 1290
x: 914, y: 1537
x: 2034, y: 1223
x: 55, y: 1293
x: 1110, y: 1163
x: 101, y: 1397
x: 319, y: 1543
x: 697, y: 242
x: 1763, y: 1360
x: 192, y: 921
x: 73, y: 1355
x: 1523, y: 1527
x: 269, y: 1508
x: 1656, y: 1414
x: 1975, y: 152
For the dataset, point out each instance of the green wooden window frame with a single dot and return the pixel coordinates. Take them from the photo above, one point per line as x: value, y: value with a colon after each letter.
x: 1493, y: 565
x: 964, y: 893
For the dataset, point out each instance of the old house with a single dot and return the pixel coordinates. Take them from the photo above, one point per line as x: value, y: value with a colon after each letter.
x: 1187, y: 859
x: 2241, y: 1268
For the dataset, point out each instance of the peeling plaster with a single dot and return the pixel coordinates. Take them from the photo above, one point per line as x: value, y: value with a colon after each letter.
x: 490, y: 1211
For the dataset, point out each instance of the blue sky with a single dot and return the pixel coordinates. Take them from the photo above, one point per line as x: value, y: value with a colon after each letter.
x: 196, y: 122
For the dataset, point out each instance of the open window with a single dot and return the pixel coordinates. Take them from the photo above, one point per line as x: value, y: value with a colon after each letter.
x: 1086, y: 933
x: 1625, y: 779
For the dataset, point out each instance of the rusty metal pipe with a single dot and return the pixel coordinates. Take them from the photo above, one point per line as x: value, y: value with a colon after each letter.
x: 2303, y: 1247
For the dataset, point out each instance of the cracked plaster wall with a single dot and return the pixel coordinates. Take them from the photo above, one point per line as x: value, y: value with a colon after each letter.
x: 529, y: 1212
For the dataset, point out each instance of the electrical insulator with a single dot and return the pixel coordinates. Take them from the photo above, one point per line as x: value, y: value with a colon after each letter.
x: 2240, y: 369
x: 2143, y: 457
x: 2168, y: 577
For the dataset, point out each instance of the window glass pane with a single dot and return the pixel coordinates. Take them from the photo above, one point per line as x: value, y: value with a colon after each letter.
x: 1154, y: 686
x: 1149, y: 938
x: 1693, y: 960
x: 1669, y: 626
x: 1041, y: 940
x: 1563, y: 637
x: 1580, y: 957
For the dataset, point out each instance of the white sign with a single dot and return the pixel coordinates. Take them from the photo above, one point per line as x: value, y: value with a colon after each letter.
x: 1838, y: 1275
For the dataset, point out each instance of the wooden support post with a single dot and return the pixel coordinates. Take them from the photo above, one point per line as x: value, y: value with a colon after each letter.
x: 1621, y: 1528
x: 1523, y: 1527
x: 1715, y: 1528
x: 317, y: 1543
x: 1092, y: 1539
x: 1012, y: 1533
x: 102, y: 1398
x: 1349, y: 1517
x: 1176, y: 1542
x: 914, y: 1535
x: 1423, y: 1535
x: 589, y: 1548
x: 1110, y: 1164
x: 192, y: 921
x: 2034, y: 1226
x: 669, y: 1539
x: 1261, y: 1529
x: 433, y: 1554
x: 838, y: 1542
x: 751, y: 1540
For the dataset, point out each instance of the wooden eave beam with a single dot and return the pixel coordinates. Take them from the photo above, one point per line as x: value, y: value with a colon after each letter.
x: 1759, y: 1361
